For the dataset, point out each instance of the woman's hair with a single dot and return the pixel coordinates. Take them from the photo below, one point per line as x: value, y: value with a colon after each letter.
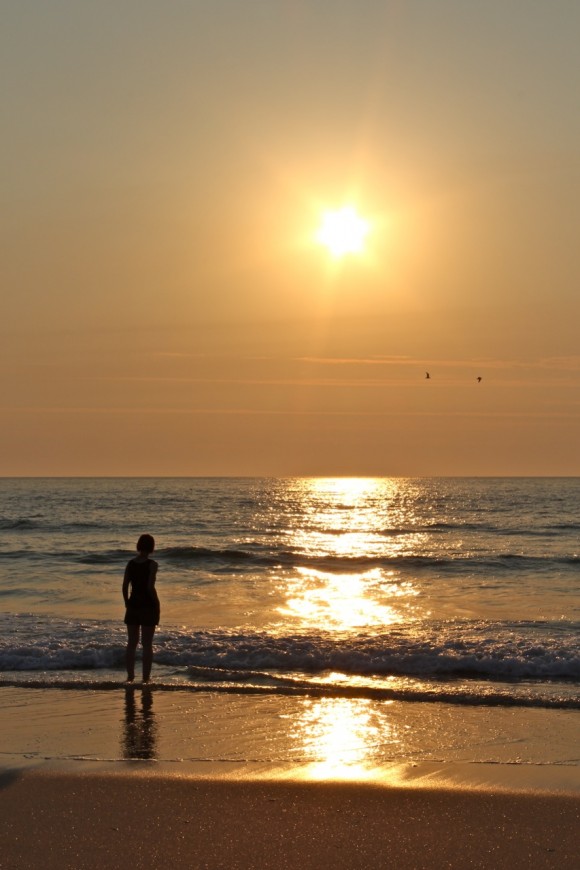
x: 146, y: 544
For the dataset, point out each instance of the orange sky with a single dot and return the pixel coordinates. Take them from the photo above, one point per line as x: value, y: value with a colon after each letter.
x: 166, y: 309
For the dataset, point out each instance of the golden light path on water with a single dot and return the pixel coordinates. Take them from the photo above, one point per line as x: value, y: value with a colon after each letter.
x: 346, y: 520
x: 343, y: 601
x: 357, y: 518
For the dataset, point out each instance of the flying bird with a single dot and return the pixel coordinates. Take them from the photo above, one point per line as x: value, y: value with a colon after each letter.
x: 427, y: 375
x: 479, y: 380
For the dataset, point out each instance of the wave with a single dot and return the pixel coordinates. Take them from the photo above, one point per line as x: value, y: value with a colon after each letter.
x: 517, y: 652
x: 106, y: 558
x: 18, y: 524
x: 563, y: 527
x: 37, y: 523
x: 222, y: 685
x: 261, y: 556
x: 442, y: 527
x: 403, y: 655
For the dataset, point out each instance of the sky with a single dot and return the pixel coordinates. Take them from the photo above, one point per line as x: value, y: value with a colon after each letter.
x: 167, y: 307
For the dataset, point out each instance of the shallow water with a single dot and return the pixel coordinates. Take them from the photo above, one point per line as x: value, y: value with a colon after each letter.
x: 211, y: 734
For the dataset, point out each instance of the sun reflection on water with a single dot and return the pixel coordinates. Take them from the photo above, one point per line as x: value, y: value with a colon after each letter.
x: 349, y: 544
x: 352, y: 531
x: 344, y: 738
x: 345, y: 601
x: 358, y: 518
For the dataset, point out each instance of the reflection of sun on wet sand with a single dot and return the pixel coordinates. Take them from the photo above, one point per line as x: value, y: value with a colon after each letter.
x: 344, y: 739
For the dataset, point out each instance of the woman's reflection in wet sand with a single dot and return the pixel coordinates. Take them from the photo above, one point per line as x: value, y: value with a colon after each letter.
x: 139, y: 736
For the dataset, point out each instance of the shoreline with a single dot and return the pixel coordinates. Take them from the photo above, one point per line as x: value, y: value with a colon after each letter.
x: 277, y: 738
x: 473, y: 777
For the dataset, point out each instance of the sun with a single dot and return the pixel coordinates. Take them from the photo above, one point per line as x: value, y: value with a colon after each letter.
x: 343, y: 231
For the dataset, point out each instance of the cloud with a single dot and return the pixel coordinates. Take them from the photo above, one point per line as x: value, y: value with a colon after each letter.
x: 284, y: 412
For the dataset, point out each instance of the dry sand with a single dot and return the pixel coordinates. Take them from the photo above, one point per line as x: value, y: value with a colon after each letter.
x: 87, y: 819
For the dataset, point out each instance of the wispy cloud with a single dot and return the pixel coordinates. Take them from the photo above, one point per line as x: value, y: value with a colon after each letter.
x: 568, y: 363
x: 281, y: 412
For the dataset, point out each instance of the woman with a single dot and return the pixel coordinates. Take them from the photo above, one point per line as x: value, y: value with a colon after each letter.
x: 142, y: 614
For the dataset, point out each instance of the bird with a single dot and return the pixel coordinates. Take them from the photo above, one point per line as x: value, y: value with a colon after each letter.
x: 479, y: 380
x: 427, y: 375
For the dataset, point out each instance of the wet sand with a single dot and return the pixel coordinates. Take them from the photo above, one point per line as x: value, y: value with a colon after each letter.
x: 169, y: 779
x: 88, y: 819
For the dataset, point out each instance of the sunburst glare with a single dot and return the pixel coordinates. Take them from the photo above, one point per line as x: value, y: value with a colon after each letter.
x: 343, y: 231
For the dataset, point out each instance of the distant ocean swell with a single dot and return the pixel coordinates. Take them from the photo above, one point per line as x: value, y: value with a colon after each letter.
x: 261, y: 557
x: 40, y: 523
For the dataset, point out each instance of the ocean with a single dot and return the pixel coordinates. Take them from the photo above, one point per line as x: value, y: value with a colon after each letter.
x: 463, y: 591
x: 330, y: 626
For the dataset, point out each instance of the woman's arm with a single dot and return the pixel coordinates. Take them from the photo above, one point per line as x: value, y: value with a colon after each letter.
x: 151, y: 584
x: 126, y: 586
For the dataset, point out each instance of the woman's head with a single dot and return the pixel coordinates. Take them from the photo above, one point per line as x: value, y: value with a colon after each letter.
x: 146, y: 544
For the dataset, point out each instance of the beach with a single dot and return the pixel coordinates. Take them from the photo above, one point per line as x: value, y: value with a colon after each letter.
x: 94, y: 820
x: 173, y: 779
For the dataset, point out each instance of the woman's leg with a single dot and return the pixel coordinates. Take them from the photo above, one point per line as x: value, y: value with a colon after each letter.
x: 147, y: 632
x: 132, y: 641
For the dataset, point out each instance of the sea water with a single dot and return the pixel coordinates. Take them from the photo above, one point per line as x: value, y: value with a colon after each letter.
x: 463, y: 591
x: 338, y: 626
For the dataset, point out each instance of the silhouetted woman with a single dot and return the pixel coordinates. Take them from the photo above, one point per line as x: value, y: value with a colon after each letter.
x: 142, y: 603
